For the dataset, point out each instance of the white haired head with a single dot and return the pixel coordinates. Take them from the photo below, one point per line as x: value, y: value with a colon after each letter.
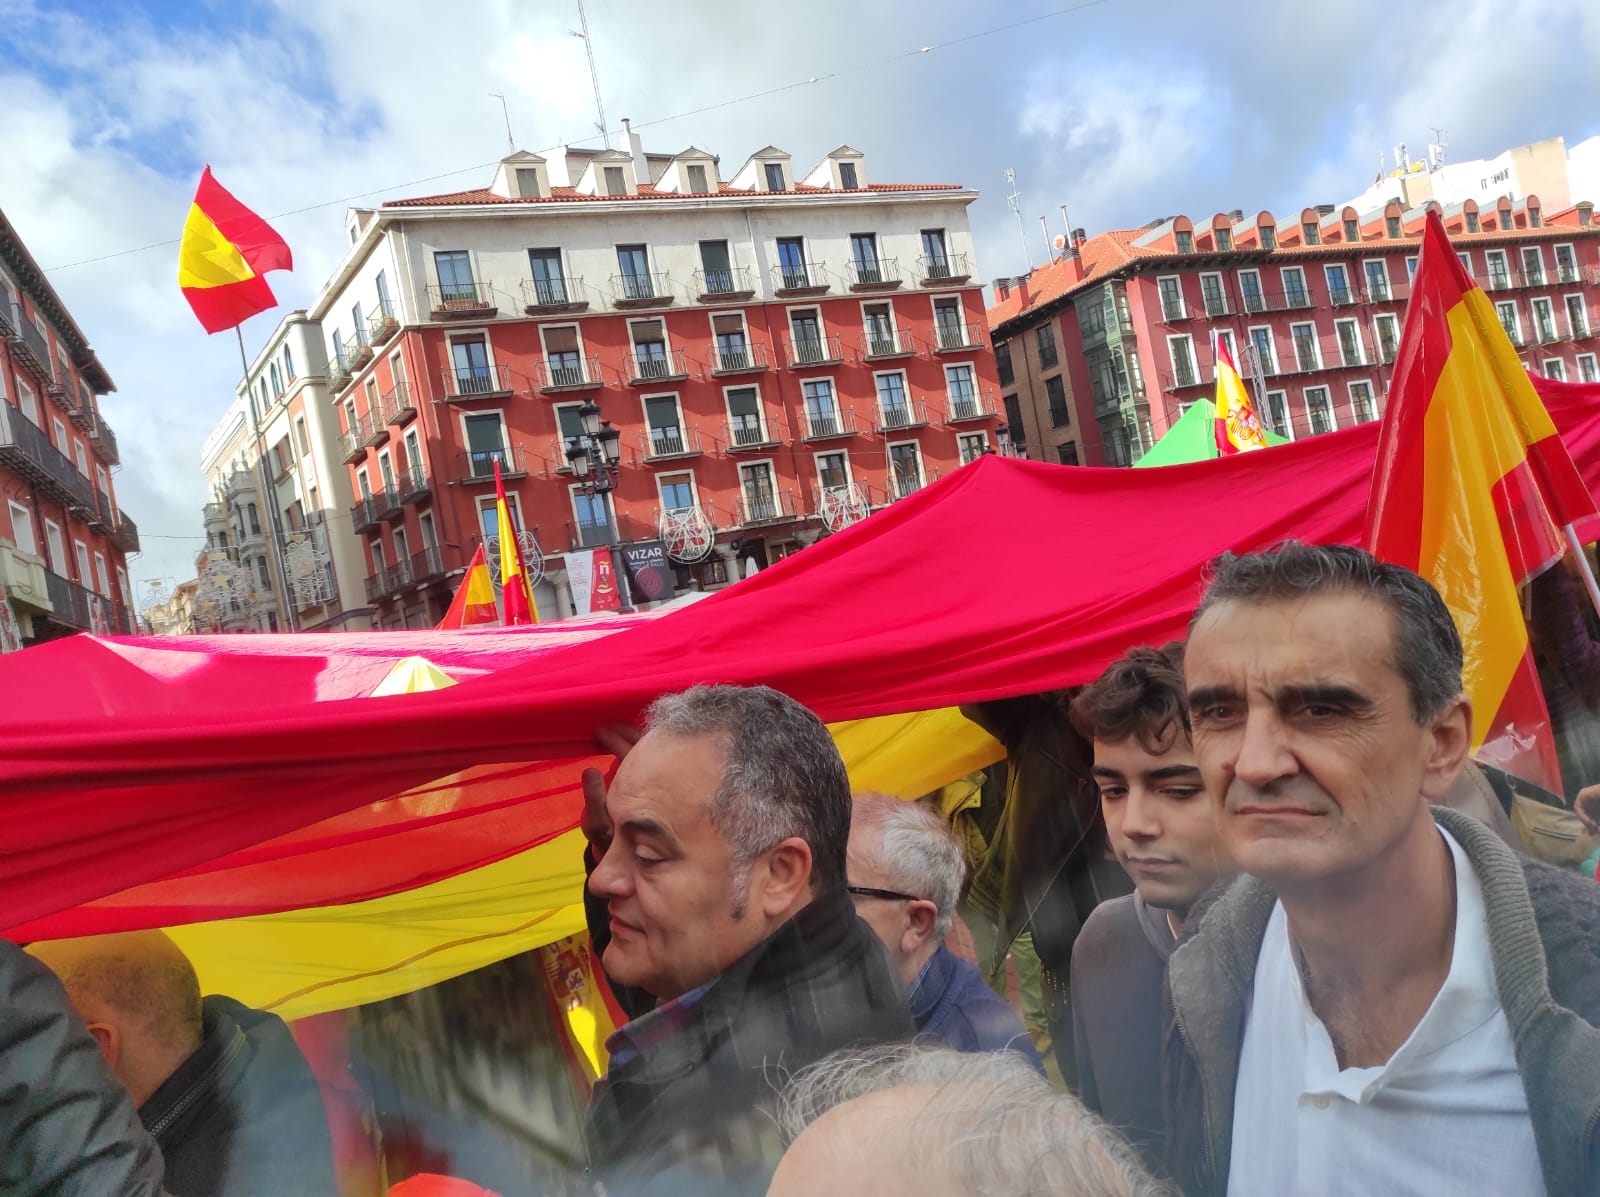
x: 914, y: 850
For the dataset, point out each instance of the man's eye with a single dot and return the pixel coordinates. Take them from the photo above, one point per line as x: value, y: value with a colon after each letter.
x: 1112, y: 793
x: 647, y: 860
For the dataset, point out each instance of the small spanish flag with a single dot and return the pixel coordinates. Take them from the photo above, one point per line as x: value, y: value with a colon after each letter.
x: 515, y: 592
x: 1472, y: 489
x: 225, y: 252
x: 1238, y: 428
x: 474, y: 602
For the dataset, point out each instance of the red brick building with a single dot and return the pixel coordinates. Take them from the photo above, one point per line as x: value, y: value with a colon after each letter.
x: 63, y: 539
x: 1101, y: 351
x: 779, y: 354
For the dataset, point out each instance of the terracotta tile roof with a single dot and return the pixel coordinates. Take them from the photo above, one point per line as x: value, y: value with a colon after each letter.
x: 562, y: 195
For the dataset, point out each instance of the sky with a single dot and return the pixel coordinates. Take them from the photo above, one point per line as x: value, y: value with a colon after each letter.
x: 1123, y: 110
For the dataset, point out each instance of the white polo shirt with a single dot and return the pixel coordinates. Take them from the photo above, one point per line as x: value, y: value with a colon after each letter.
x: 1447, y: 1115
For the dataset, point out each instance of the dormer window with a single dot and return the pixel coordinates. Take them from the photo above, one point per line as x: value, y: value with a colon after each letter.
x: 1352, y: 232
x: 847, y: 176
x: 1224, y: 240
x: 697, y: 179
x: 774, y: 174
x: 1269, y: 237
x: 528, y: 182
x: 1185, y: 241
x: 1309, y: 233
x: 616, y: 181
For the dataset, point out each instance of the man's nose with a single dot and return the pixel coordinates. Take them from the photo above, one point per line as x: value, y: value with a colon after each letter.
x: 1139, y: 819
x: 1263, y: 755
x: 611, y: 878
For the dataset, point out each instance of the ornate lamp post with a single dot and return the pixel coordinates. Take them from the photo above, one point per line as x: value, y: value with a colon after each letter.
x: 594, y: 455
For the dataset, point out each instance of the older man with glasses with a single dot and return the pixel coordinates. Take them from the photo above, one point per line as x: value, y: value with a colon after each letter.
x: 905, y: 870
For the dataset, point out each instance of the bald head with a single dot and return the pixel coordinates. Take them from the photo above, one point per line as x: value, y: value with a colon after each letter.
x: 140, y: 997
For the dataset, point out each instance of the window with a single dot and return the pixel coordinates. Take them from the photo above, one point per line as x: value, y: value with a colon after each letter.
x: 22, y: 529
x: 1588, y: 368
x: 697, y: 178
x: 1388, y: 337
x: 430, y: 538
x: 1555, y: 368
x: 792, y: 267
x: 759, y: 496
x: 1185, y: 240
x: 1391, y: 227
x: 277, y: 380
x: 27, y: 403
x: 386, y: 470
x: 864, y: 253
x: 1349, y: 342
x: 745, y: 423
x: 634, y: 264
x: 1019, y: 434
x: 549, y: 282
x: 774, y: 173
x: 935, y: 257
x: 847, y: 176
x: 1411, y: 267
x: 1263, y: 351
x: 718, y: 267
x: 1294, y: 288
x: 85, y: 578
x: 1319, y: 410
x: 302, y: 435
x: 528, y: 182
x: 1055, y: 390
x: 650, y: 356
x: 486, y: 444
x: 414, y: 452
x: 563, y: 356
x: 1376, y: 272
x: 1045, y: 338
x: 1310, y: 234
x: 1225, y: 340
x: 568, y: 422
x: 805, y: 329
x: 1269, y: 237
x: 1472, y: 222
x: 893, y: 405
x: 1224, y: 239
x: 905, y: 466
x: 1307, y: 353
x: 63, y: 443
x: 616, y: 180
x: 1277, y: 414
x: 474, y: 373
x: 1002, y: 361
x: 1465, y: 259
x: 1067, y: 454
x: 1499, y: 272
x: 1338, y: 283
x: 1532, y: 266
x: 953, y: 332
x: 82, y: 458
x: 822, y: 415
x: 1544, y: 319
x: 102, y: 576
x: 56, y: 548
x: 1115, y: 442
x: 1509, y: 321
x: 1577, y: 317
x: 833, y: 471
x: 1361, y: 402
x: 455, y: 283
x: 385, y: 309
x: 1352, y: 231
x: 964, y: 404
x: 878, y: 319
x: 1170, y: 288
x: 733, y: 349
x: 1211, y: 291
x: 379, y: 561
x: 666, y: 426
x: 971, y: 445
x: 676, y: 491
x: 1566, y: 264
x: 1183, y: 368
x: 1250, y: 291
x: 352, y: 422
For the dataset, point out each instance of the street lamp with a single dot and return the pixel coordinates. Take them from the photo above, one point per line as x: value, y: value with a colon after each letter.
x: 593, y: 455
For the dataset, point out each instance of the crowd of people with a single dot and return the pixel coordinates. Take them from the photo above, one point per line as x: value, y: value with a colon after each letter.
x: 1335, y: 972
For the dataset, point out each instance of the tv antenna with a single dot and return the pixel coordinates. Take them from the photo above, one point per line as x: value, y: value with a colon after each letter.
x: 594, y: 73
x: 1015, y: 201
x: 511, y: 144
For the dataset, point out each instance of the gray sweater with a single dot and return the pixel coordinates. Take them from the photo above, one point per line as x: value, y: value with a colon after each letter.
x: 1544, y: 936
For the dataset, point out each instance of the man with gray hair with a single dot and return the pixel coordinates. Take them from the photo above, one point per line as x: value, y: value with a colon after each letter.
x: 717, y: 906
x: 906, y: 869
x: 932, y: 1122
x: 1391, y: 1001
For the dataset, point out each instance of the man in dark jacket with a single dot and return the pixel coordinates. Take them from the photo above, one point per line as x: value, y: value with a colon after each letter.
x: 1391, y: 1000
x: 67, y: 1127
x: 718, y: 890
x: 222, y: 1088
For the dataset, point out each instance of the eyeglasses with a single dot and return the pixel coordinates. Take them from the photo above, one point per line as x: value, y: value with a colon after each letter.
x: 866, y: 891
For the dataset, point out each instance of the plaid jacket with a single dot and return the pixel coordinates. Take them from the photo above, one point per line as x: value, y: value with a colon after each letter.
x: 692, y: 1113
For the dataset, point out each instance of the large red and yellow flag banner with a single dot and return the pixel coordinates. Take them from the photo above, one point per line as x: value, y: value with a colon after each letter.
x: 225, y: 251
x: 1472, y: 489
x: 474, y: 604
x: 515, y: 593
x: 1238, y: 427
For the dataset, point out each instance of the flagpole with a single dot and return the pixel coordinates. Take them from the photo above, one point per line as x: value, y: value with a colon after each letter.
x: 269, y: 492
x: 1589, y: 582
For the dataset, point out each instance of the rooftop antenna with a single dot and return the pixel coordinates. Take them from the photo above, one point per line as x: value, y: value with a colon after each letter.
x: 1015, y: 201
x: 594, y: 73
x: 511, y: 143
x: 1436, y: 150
x: 1049, y: 250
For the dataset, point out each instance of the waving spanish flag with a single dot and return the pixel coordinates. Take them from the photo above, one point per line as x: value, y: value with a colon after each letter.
x: 1471, y: 489
x: 225, y: 252
x: 474, y: 602
x: 514, y: 589
x: 1238, y: 427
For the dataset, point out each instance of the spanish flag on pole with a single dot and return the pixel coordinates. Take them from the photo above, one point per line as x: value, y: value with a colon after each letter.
x: 225, y: 252
x: 474, y: 602
x: 1472, y: 489
x: 1238, y: 427
x: 514, y: 589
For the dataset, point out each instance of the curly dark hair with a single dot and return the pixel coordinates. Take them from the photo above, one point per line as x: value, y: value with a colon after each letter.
x: 1141, y: 694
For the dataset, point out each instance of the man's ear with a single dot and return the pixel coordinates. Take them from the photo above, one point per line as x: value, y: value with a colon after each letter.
x: 787, y: 875
x: 921, y: 916
x: 1449, y: 742
x: 109, y: 1040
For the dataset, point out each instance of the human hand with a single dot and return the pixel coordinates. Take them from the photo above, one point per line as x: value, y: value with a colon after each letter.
x: 1587, y: 807
x: 617, y: 739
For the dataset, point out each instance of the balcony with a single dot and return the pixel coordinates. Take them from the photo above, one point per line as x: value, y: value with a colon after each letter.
x: 881, y: 275
x: 1548, y: 334
x: 588, y: 534
x: 656, y: 364
x: 651, y: 290
x: 796, y: 279
x: 414, y: 485
x: 427, y: 566
x: 471, y: 384
x: 360, y: 353
x: 381, y: 326
x: 1567, y: 274
x: 1184, y: 376
x: 668, y: 444
x: 757, y: 509
x: 553, y: 296
x: 570, y: 373
x: 1495, y: 280
x: 387, y: 504
x: 462, y: 301
x: 477, y: 465
x: 812, y: 350
x: 829, y: 425
x: 943, y: 270
x: 1341, y: 297
x: 214, y: 514
x: 1215, y: 305
x: 747, y: 434
x: 880, y: 345
x: 971, y: 407
x: 899, y: 417
x: 375, y: 586
x: 740, y: 358
x: 955, y: 338
x: 70, y: 603
x: 339, y: 375
x: 30, y: 347
x: 355, y: 441
x: 1533, y: 278
x: 904, y: 483
x: 1516, y: 337
x: 377, y: 431
x: 397, y: 405
x: 104, y: 441
x: 26, y: 450
x: 734, y: 285
x: 364, y: 514
x: 123, y: 532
